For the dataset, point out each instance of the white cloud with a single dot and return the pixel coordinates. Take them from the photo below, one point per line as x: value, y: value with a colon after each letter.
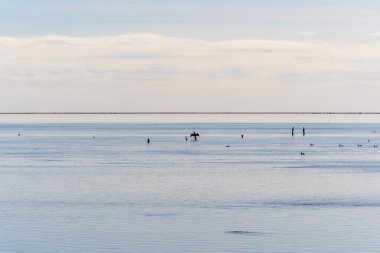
x: 149, y: 72
x: 308, y: 33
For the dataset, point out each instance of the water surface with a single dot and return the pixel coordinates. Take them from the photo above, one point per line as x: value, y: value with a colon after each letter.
x: 64, y: 191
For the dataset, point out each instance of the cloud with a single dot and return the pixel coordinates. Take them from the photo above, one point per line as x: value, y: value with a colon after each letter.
x: 147, y: 72
x: 305, y: 33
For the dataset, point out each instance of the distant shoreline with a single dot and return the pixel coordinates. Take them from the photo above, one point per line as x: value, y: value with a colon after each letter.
x: 189, y: 113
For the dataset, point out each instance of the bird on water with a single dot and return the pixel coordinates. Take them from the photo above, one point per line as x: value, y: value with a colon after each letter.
x: 195, y: 135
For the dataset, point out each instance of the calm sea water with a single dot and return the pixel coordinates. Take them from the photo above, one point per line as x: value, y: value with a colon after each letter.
x: 61, y: 190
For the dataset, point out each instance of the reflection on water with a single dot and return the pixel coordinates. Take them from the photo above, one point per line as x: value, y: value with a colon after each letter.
x: 63, y: 190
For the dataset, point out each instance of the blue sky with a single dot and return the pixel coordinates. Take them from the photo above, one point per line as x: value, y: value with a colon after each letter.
x: 335, y: 21
x: 157, y: 55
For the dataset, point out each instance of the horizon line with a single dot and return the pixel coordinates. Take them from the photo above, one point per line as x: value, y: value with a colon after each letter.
x: 189, y: 113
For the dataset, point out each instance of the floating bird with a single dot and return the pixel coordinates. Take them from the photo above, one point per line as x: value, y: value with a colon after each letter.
x: 375, y: 146
x: 302, y: 153
x: 360, y: 145
x: 311, y: 144
x: 227, y: 146
x: 242, y: 136
x: 148, y: 140
x: 340, y: 145
x: 19, y: 134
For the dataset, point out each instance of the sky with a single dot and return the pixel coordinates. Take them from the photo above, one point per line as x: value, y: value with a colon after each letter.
x: 189, y: 55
